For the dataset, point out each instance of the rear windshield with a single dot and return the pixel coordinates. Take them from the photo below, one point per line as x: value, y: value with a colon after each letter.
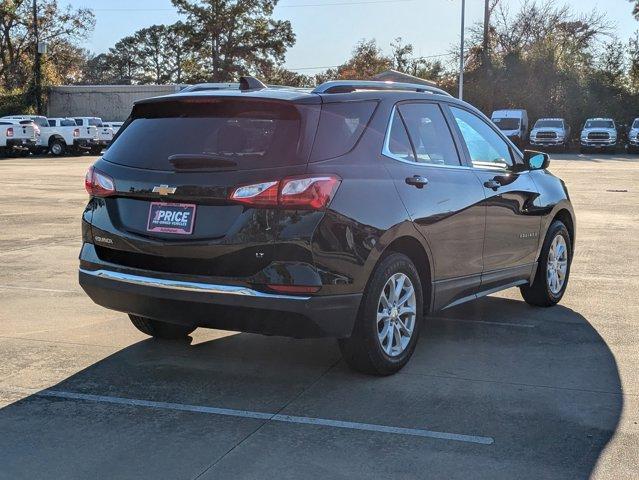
x: 635, y: 124
x: 600, y: 124
x: 340, y: 126
x: 507, y: 123
x: 549, y: 124
x: 246, y: 134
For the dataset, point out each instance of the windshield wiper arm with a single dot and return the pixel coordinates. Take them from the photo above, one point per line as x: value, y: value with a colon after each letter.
x: 200, y: 161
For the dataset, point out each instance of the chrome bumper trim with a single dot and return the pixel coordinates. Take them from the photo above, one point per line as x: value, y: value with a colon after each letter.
x: 187, y: 286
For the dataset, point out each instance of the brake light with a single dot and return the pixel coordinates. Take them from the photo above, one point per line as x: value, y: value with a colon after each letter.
x: 98, y: 184
x: 10, y: 132
x: 76, y: 132
x: 312, y: 192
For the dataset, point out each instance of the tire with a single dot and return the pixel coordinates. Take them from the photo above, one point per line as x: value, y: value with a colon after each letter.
x: 57, y: 148
x: 542, y: 292
x: 364, y: 351
x: 158, y: 329
x: 96, y: 150
x: 582, y: 150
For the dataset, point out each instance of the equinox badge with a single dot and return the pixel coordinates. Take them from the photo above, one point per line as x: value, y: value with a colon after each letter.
x: 164, y: 189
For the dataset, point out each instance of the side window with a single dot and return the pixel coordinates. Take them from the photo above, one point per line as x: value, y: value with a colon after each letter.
x: 78, y: 122
x: 398, y: 143
x: 487, y: 149
x: 430, y: 134
x: 52, y: 123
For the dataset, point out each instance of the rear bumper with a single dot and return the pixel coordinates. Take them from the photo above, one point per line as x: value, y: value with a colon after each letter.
x: 83, y: 143
x: 21, y: 143
x: 227, y: 307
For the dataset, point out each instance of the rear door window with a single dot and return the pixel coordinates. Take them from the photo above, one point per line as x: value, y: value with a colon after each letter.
x: 340, y: 127
x: 245, y: 134
x: 429, y: 134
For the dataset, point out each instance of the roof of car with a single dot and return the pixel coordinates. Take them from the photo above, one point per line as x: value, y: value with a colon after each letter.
x: 551, y: 118
x: 327, y: 91
x: 600, y: 118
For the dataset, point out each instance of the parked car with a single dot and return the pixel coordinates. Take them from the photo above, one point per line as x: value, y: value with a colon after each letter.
x: 599, y: 134
x: 513, y: 123
x: 115, y: 126
x: 17, y: 138
x: 59, y: 137
x: 105, y: 133
x: 348, y: 211
x: 633, y: 137
x: 550, y: 132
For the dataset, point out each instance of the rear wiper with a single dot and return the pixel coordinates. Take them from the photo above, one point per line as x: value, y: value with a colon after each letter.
x: 200, y: 161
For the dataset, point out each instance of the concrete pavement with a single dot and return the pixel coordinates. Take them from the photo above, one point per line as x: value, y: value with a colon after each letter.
x: 554, y: 392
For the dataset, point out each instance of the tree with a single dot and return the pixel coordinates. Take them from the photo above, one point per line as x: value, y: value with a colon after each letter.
x: 232, y: 37
x: 61, y: 28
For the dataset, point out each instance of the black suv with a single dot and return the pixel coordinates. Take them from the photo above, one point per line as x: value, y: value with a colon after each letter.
x: 349, y: 211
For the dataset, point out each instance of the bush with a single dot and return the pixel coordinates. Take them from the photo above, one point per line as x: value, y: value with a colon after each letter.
x: 14, y: 103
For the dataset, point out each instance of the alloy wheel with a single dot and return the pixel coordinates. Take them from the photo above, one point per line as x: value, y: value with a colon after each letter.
x: 396, y: 314
x: 557, y: 264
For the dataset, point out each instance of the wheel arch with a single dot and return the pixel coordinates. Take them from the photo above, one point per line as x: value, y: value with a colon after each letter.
x: 567, y: 219
x: 419, y: 255
x: 55, y: 137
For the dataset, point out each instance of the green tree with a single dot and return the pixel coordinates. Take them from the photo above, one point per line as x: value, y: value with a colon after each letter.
x: 61, y: 28
x: 232, y: 37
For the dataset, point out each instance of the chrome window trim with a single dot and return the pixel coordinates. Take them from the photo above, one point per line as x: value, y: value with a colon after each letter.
x: 186, y: 286
x: 387, y: 153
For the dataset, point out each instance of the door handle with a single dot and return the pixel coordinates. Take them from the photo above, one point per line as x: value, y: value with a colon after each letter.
x: 492, y: 183
x: 417, y: 181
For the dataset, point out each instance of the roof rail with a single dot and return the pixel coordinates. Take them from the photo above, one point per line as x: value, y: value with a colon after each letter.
x: 245, y: 83
x: 346, y: 86
x: 198, y: 87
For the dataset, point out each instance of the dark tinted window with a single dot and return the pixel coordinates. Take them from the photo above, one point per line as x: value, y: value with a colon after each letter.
x: 95, y: 122
x: 251, y: 134
x: 52, y: 123
x: 398, y: 144
x: 429, y: 133
x: 549, y: 124
x: 340, y: 126
x: 67, y: 122
x: 600, y: 124
x: 79, y: 122
x: 507, y: 123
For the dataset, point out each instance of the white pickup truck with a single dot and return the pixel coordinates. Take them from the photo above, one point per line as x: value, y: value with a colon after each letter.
x: 17, y: 138
x: 59, y: 135
x: 115, y: 126
x: 105, y: 133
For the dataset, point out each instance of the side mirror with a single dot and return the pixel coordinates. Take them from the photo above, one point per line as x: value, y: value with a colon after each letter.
x: 536, y: 160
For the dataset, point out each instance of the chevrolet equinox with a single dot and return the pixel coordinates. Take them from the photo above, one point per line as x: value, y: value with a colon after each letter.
x: 352, y: 211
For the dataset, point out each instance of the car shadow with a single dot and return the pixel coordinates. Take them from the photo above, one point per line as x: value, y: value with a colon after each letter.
x: 542, y: 382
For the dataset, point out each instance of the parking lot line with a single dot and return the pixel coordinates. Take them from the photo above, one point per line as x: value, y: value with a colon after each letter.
x: 276, y: 417
x: 38, y: 289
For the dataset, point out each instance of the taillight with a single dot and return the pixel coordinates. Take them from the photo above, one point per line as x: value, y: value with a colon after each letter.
x: 10, y: 132
x: 76, y: 132
x: 98, y: 184
x: 258, y: 194
x: 312, y: 192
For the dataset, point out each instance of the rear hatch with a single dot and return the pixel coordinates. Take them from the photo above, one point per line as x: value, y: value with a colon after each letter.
x: 85, y: 133
x: 174, y: 167
x: 26, y: 131
x: 105, y: 134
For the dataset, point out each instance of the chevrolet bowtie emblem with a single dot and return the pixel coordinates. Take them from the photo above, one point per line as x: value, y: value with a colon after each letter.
x: 164, y: 190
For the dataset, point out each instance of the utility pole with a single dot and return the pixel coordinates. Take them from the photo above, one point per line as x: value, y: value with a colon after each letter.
x: 38, y: 61
x: 486, y: 27
x: 461, y: 53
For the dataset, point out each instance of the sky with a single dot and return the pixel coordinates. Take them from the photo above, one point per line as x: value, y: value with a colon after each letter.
x: 327, y: 30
